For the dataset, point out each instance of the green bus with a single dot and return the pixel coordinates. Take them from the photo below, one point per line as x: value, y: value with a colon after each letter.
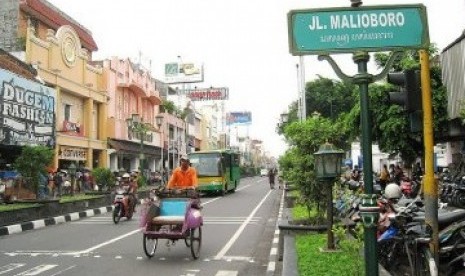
x: 217, y: 170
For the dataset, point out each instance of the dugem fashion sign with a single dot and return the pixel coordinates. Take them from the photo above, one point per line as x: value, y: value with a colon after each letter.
x: 345, y: 30
x: 27, y: 111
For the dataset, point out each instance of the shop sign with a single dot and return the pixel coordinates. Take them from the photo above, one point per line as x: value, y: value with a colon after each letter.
x: 71, y: 153
x: 208, y: 94
x: 27, y: 111
x: 71, y: 128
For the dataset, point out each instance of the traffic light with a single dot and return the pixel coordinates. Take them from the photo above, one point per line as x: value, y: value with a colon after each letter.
x: 409, y: 96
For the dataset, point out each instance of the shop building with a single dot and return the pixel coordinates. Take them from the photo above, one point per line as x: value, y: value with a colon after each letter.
x: 60, y: 49
x: 134, y: 139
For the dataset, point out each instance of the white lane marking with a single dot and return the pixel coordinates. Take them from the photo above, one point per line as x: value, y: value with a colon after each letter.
x: 37, y: 270
x: 236, y: 235
x: 226, y: 273
x: 274, y: 251
x: 64, y: 270
x: 9, y: 267
x: 88, y: 250
x: 243, y: 187
x: 271, y: 266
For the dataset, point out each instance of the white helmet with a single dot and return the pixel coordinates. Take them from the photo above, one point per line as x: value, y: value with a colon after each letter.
x: 126, y: 175
x: 392, y: 191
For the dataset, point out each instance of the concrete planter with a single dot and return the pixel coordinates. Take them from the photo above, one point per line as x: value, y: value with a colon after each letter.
x: 51, y: 208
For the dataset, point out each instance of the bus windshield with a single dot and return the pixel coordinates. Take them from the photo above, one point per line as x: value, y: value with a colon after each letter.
x: 206, y: 164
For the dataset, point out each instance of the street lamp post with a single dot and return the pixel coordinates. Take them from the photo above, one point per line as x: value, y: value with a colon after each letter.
x: 136, y: 125
x: 72, y: 172
x: 328, y: 162
x: 159, y: 122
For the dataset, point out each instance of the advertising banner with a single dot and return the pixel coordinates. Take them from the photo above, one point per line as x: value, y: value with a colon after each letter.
x: 242, y: 118
x: 27, y: 111
x: 208, y: 94
x: 183, y: 73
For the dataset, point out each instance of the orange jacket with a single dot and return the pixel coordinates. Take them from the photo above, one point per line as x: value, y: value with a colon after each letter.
x: 183, y: 179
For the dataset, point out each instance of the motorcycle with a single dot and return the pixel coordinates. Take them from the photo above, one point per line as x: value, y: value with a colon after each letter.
x: 122, y: 208
x: 451, y: 225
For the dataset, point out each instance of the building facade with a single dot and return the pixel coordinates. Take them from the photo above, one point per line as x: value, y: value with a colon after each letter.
x: 61, y: 51
x: 134, y: 144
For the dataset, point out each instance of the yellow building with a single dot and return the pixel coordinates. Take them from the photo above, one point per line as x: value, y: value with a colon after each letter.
x: 61, y: 50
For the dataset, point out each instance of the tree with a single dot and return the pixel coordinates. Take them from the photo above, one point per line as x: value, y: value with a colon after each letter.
x: 329, y: 97
x: 305, y: 139
x: 391, y: 129
x: 32, y: 164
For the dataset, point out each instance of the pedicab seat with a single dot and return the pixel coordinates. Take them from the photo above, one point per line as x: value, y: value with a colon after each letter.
x: 172, y: 211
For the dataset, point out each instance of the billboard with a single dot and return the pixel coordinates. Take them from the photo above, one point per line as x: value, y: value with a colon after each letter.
x: 208, y: 94
x: 239, y: 118
x: 28, y: 111
x: 183, y: 73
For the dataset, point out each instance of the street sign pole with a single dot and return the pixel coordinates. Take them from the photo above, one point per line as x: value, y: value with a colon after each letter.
x: 358, y: 30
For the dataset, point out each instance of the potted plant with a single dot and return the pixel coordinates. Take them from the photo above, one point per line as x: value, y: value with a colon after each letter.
x: 104, y: 178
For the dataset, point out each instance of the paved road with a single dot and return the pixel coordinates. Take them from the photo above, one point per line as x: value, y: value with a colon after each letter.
x: 237, y: 238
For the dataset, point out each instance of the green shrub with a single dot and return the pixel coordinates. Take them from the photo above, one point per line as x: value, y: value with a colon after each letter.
x: 104, y: 178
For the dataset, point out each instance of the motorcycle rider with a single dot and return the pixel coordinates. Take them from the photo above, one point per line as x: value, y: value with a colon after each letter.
x: 131, y: 190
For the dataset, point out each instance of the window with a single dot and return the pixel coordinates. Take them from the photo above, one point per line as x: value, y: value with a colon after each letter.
x: 67, y: 111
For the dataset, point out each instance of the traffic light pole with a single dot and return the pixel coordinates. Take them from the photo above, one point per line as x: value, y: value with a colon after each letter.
x: 369, y: 210
x: 430, y: 185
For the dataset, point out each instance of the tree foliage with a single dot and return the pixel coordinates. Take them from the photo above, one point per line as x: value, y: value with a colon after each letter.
x: 32, y: 162
x: 333, y: 115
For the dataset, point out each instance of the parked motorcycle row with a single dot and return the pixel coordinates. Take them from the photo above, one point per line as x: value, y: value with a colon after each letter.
x: 452, y: 190
x: 403, y: 236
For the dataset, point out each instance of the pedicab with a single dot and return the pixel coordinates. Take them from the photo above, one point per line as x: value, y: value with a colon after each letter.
x: 172, y: 215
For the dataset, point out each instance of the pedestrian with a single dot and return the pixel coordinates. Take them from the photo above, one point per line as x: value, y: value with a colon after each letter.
x: 51, y: 183
x: 384, y: 177
x: 398, y: 174
x: 356, y: 174
x: 58, y: 184
x: 271, y: 177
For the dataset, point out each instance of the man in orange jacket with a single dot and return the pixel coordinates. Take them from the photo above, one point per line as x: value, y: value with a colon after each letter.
x: 184, y: 176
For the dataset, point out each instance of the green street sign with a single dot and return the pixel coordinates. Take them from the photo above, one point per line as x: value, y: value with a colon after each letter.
x: 369, y: 28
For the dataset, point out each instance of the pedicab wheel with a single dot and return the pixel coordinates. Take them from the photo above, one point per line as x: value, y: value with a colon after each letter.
x: 187, y: 241
x: 150, y: 245
x: 195, y: 241
x: 117, y: 213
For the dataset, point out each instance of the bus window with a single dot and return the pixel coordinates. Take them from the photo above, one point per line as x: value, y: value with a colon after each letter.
x: 206, y: 164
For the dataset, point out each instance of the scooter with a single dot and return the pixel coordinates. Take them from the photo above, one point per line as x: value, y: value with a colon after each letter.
x: 121, y: 205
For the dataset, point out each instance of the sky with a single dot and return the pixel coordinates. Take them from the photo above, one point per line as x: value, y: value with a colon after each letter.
x: 243, y: 45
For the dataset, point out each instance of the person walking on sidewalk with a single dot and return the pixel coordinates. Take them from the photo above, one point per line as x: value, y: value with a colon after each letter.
x: 271, y: 177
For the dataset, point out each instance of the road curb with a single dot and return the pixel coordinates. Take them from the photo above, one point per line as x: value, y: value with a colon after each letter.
x: 273, y: 258
x: 41, y: 223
